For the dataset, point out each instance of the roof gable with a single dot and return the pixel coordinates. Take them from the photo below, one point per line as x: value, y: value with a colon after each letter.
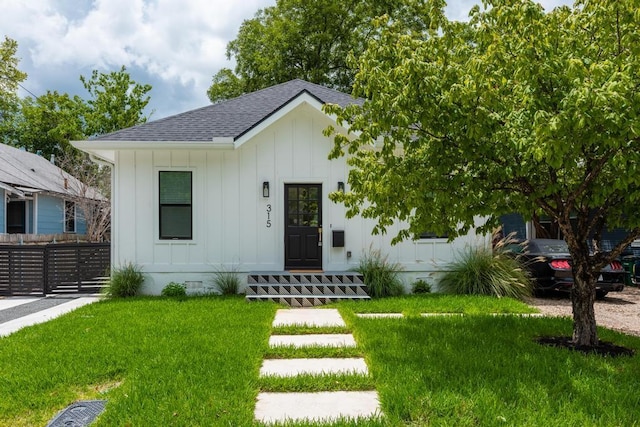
x: 229, y: 120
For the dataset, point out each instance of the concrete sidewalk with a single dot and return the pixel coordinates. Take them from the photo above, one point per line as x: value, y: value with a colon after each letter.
x: 17, y: 313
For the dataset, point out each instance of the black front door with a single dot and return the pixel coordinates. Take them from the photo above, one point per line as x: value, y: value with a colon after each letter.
x: 303, y: 227
x: 16, y: 217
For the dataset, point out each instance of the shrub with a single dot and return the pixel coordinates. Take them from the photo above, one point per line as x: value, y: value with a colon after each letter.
x: 380, y: 275
x: 125, y: 281
x: 486, y: 271
x: 227, y: 282
x: 174, y: 289
x: 420, y: 287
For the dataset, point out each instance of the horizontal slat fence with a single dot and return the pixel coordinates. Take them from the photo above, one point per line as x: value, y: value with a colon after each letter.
x: 22, y: 270
x: 54, y: 268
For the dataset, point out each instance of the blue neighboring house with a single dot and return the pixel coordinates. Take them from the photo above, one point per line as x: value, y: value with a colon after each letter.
x: 37, y: 196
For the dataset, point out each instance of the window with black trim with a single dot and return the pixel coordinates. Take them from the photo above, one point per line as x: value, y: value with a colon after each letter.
x: 431, y: 235
x: 69, y: 217
x: 175, y: 205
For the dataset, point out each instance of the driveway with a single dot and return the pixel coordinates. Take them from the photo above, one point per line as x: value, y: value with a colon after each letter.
x: 18, y: 312
x: 619, y: 310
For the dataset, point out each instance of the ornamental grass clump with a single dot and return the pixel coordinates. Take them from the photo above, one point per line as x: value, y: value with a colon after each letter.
x: 125, y: 281
x: 484, y: 270
x: 227, y: 282
x: 380, y: 275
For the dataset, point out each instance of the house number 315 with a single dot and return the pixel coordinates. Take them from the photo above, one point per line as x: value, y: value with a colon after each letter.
x: 268, y: 216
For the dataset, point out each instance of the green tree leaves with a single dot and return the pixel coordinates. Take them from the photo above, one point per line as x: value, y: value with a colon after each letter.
x: 47, y: 123
x: 310, y: 40
x: 518, y: 110
x: 116, y: 102
x: 10, y: 79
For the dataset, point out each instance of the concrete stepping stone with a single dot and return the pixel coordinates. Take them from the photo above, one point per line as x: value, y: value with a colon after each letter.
x: 380, y: 315
x: 321, y: 340
x: 323, y: 406
x: 440, y: 314
x: 308, y: 317
x: 293, y: 367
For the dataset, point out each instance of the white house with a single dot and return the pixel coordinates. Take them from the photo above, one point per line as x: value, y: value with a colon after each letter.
x: 243, y: 185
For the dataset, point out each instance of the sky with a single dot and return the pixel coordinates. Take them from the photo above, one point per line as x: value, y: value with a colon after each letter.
x: 176, y: 46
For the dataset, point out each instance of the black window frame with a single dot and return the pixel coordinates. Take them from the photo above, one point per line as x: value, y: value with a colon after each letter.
x: 69, y: 216
x: 161, y: 205
x: 427, y: 235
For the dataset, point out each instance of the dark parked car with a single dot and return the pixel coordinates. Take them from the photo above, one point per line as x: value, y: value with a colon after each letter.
x: 631, y: 263
x: 550, y: 265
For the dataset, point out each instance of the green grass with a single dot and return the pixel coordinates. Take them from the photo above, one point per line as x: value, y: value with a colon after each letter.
x: 488, y: 371
x: 305, y: 330
x: 169, y: 362
x: 195, y: 362
x: 311, y: 383
x: 413, y: 305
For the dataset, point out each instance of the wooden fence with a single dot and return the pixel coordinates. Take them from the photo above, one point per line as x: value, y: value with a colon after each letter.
x: 64, y: 268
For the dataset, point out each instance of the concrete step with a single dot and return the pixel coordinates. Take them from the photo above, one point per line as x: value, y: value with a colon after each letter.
x: 308, y: 289
x: 306, y: 278
x: 304, y: 300
x: 305, y: 289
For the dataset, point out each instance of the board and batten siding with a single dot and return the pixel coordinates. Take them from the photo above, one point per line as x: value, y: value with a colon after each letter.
x: 230, y: 230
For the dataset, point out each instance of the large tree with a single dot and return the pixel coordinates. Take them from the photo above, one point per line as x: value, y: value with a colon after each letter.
x: 306, y: 39
x: 115, y: 101
x: 517, y: 110
x: 46, y: 124
x: 10, y: 79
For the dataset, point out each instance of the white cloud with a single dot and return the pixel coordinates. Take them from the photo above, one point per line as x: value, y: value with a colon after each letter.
x: 166, y: 41
x: 175, y: 45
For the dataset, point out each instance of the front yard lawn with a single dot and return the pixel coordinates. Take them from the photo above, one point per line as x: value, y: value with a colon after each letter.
x: 196, y: 362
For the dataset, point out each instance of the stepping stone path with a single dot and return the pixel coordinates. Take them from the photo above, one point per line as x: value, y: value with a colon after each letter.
x: 318, y: 406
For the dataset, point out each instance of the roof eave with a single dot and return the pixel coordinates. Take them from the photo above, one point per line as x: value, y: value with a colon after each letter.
x: 105, y: 150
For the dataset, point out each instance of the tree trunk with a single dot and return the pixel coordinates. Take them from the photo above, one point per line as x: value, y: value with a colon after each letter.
x: 582, y: 298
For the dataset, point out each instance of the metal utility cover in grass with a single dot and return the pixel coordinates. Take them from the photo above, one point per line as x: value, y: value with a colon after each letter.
x: 79, y: 414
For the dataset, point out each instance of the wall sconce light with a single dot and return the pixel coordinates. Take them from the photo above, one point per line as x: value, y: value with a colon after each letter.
x: 341, y: 186
x: 265, y: 189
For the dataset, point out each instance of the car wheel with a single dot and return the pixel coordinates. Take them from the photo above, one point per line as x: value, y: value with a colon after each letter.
x: 601, y: 294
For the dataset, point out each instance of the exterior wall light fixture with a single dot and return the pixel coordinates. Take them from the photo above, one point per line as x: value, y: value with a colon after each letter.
x: 341, y: 186
x: 265, y: 189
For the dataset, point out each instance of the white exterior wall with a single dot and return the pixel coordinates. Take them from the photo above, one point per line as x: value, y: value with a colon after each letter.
x: 230, y: 214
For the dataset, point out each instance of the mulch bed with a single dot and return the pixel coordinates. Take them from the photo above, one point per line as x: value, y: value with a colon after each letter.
x: 603, y: 348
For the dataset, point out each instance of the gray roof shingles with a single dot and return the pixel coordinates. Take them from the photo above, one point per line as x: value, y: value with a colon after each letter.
x: 19, y: 168
x: 228, y: 119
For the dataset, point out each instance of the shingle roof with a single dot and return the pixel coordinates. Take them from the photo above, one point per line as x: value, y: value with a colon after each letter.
x: 21, y: 169
x: 228, y: 119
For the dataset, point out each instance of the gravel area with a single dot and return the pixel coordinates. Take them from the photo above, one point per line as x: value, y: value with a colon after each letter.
x: 618, y: 310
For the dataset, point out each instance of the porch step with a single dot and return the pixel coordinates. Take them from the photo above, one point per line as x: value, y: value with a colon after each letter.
x: 306, y: 290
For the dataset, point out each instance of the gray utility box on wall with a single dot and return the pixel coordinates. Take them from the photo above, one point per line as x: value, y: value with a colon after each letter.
x: 338, y: 239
